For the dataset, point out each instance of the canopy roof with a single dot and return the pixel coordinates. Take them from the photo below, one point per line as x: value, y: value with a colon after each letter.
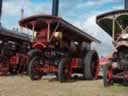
x: 113, y: 21
x: 13, y: 35
x: 70, y: 31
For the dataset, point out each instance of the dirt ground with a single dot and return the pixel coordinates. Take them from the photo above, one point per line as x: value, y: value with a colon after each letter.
x: 23, y: 86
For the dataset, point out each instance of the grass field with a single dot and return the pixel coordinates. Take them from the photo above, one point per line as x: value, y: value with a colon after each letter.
x: 23, y: 86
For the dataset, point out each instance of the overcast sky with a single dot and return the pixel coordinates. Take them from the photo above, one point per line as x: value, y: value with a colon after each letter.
x: 80, y: 13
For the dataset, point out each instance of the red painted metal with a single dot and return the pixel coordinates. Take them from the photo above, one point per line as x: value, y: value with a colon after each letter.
x: 97, y: 69
x: 18, y: 59
x: 14, y: 60
x: 39, y: 44
x: 49, y: 69
x: 109, y: 73
x: 75, y: 63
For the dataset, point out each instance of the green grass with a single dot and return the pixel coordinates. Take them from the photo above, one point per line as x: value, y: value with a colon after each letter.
x: 119, y: 88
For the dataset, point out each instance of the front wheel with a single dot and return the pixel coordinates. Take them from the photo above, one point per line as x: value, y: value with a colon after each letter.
x: 91, y: 65
x: 64, y: 69
x: 107, y: 75
x: 34, y: 67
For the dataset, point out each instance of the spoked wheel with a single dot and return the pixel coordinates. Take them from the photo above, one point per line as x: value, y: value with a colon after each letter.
x: 13, y: 69
x: 91, y: 65
x: 107, y: 75
x: 64, y: 70
x: 95, y: 69
x: 34, y: 68
x: 4, y: 65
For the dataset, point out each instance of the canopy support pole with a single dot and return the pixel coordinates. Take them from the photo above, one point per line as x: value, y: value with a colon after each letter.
x: 54, y: 31
x: 33, y: 27
x: 119, y: 24
x: 113, y: 28
x: 48, y: 35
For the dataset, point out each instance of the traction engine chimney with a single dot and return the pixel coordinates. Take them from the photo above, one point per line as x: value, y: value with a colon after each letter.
x: 22, y: 16
x: 55, y: 7
x: 1, y: 1
x: 126, y: 4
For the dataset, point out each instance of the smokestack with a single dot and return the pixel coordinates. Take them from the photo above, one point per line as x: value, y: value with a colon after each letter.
x: 55, y: 7
x: 22, y: 16
x: 126, y: 4
x: 1, y: 8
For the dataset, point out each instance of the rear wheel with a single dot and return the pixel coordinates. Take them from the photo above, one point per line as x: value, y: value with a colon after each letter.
x: 107, y: 75
x: 64, y: 70
x: 91, y: 65
x: 4, y: 65
x: 34, y: 68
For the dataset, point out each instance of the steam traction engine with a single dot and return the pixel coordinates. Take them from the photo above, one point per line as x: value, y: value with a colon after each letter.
x: 59, y: 48
x: 13, y: 49
x: 116, y: 25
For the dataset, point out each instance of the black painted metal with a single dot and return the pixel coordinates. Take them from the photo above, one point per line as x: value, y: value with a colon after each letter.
x: 10, y: 34
x: 13, y: 35
x: 126, y: 4
x: 0, y: 7
x: 55, y: 7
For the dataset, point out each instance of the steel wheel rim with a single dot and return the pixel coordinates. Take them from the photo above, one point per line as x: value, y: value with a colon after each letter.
x: 36, y: 68
x: 66, y: 71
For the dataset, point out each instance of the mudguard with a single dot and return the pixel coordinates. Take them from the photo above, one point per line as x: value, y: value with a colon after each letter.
x: 34, y: 52
x: 39, y: 45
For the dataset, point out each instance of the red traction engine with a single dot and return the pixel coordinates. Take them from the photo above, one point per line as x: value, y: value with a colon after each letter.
x: 115, y: 23
x: 13, y: 49
x: 60, y: 48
